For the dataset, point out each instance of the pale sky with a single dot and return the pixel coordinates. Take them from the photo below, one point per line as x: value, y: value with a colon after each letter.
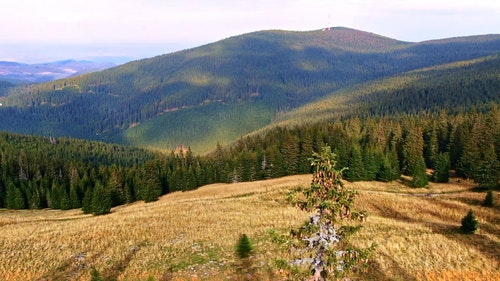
x: 46, y: 30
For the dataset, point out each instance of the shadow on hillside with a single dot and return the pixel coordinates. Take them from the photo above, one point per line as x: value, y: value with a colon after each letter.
x: 114, y: 272
x: 75, y: 267
x: 481, y: 242
x: 71, y: 269
x: 489, y: 247
x: 376, y: 272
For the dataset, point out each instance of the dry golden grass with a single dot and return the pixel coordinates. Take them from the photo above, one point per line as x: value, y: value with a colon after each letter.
x: 191, y: 235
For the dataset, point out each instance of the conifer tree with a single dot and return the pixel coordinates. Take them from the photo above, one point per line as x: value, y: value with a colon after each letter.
x: 74, y: 197
x: 442, y: 166
x: 479, y: 160
x: 101, y: 200
x: 321, y: 245
x: 413, y: 159
x: 356, y: 167
x: 2, y: 195
x: 431, y: 145
x: 64, y: 199
x: 489, y: 199
x: 419, y: 175
x: 469, y: 223
x: 87, y: 201
x: 149, y: 183
x: 244, y: 249
x: 371, y: 164
x: 387, y: 172
x: 14, y: 197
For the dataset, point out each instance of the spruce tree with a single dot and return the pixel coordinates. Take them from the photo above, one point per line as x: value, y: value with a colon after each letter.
x: 101, y: 200
x: 14, y: 198
x: 413, y: 159
x: 469, y: 223
x: 87, y: 201
x: 74, y: 197
x: 371, y: 164
x: 442, y: 166
x: 245, y: 268
x: 321, y: 245
x: 387, y: 172
x: 244, y: 247
x: 489, y: 199
x: 356, y: 171
x: 149, y: 183
x: 479, y: 160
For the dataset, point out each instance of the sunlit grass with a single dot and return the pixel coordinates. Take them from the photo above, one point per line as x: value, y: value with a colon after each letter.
x: 191, y: 235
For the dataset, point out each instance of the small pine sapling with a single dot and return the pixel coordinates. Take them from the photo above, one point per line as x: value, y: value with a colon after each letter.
x: 244, y: 247
x: 469, y: 223
x: 489, y: 199
x: 245, y: 268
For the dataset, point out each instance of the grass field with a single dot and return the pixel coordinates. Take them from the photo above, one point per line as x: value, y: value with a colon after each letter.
x: 192, y: 235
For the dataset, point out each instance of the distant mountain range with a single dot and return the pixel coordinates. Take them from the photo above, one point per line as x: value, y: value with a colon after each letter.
x: 221, y: 91
x: 19, y: 73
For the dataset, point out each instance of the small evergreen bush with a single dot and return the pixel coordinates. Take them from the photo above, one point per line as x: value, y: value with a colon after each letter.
x: 469, y: 223
x: 244, y: 247
x: 245, y: 269
x: 488, y: 200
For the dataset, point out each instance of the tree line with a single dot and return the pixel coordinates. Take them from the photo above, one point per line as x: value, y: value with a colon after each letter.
x: 64, y: 173
x: 379, y: 148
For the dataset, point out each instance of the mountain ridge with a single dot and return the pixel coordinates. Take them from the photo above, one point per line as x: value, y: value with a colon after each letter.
x: 270, y: 71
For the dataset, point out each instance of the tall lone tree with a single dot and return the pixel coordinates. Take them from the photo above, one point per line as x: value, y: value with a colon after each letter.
x: 321, y: 244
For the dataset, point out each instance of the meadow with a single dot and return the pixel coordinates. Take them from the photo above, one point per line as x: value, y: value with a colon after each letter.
x: 192, y: 235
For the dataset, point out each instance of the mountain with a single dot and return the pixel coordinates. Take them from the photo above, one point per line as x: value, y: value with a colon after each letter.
x: 454, y: 87
x: 220, y: 91
x: 42, y: 72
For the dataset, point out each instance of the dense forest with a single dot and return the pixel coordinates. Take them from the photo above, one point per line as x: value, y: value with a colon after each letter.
x: 379, y: 148
x: 65, y: 173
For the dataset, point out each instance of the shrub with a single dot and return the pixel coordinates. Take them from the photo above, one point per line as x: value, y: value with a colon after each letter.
x: 469, y: 223
x: 488, y: 200
x: 244, y: 247
x: 245, y: 269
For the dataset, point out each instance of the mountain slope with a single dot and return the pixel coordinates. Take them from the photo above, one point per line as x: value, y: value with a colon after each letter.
x: 452, y: 87
x: 148, y: 102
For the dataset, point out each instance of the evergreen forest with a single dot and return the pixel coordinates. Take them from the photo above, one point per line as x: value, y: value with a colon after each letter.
x: 65, y: 173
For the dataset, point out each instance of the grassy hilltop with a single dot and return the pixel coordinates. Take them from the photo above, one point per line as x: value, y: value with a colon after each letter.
x: 192, y: 235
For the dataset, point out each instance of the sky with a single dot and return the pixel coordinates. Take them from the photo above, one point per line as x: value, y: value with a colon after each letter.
x: 40, y: 31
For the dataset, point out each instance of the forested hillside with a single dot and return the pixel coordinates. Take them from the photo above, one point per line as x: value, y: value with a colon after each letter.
x: 66, y: 173
x: 193, y: 97
x: 39, y: 172
x: 378, y: 148
x: 454, y: 87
